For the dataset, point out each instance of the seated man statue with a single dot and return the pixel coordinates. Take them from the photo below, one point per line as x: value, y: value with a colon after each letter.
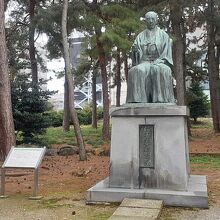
x: 150, y: 79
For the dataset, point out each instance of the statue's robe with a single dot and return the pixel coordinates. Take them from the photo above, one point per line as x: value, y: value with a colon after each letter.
x: 150, y: 79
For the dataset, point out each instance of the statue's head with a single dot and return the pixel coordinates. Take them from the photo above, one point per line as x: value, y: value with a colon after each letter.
x: 151, y: 19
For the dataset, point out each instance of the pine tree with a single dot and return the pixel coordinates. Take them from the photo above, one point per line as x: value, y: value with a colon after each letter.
x: 21, y: 37
x: 73, y: 114
x: 120, y: 22
x: 120, y: 29
x: 50, y: 24
x: 92, y: 23
x: 29, y: 109
x: 197, y: 101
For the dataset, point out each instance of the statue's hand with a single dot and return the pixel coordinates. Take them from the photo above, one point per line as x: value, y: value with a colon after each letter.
x: 134, y: 48
x: 135, y: 55
x: 157, y: 61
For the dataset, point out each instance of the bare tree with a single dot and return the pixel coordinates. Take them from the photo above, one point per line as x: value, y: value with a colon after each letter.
x: 7, y: 133
x: 70, y: 80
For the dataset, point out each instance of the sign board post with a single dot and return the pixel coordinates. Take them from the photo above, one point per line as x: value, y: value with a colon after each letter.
x: 23, y: 158
x: 3, y: 181
x: 35, y: 182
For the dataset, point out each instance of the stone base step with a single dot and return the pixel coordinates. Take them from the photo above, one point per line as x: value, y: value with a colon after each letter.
x: 138, y: 209
x: 195, y: 196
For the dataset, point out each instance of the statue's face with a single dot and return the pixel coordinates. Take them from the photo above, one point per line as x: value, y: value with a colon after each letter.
x: 151, y: 20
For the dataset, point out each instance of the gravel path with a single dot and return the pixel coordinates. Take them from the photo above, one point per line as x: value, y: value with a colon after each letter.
x: 20, y: 208
x: 213, y: 213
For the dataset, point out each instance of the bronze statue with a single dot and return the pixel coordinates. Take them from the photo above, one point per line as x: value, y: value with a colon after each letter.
x: 150, y: 79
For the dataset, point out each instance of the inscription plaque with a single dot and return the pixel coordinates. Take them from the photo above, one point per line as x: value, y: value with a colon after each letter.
x: 146, y: 146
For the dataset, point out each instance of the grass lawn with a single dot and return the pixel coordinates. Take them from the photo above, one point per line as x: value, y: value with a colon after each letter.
x: 91, y: 136
x: 202, y: 123
x: 206, y: 161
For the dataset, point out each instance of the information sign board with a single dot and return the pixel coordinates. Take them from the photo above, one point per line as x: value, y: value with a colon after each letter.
x: 24, y: 158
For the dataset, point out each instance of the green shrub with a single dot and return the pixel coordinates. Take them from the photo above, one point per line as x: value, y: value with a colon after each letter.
x: 84, y: 116
x: 56, y: 118
x: 99, y: 113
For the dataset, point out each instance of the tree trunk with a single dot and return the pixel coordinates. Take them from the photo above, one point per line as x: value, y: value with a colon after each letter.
x: 185, y: 72
x: 7, y: 133
x: 66, y: 111
x: 105, y: 92
x: 212, y: 67
x: 118, y: 78
x: 189, y: 126
x: 32, y: 50
x: 178, y: 49
x: 125, y: 57
x: 195, y: 120
x: 73, y: 114
x: 94, y: 104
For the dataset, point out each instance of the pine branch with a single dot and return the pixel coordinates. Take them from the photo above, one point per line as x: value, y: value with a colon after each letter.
x: 95, y: 8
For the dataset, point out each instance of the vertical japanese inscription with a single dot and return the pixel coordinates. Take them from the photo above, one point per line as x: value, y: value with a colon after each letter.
x: 146, y: 146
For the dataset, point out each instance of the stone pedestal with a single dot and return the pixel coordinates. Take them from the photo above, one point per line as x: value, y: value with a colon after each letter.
x: 149, y: 147
x: 150, y: 157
